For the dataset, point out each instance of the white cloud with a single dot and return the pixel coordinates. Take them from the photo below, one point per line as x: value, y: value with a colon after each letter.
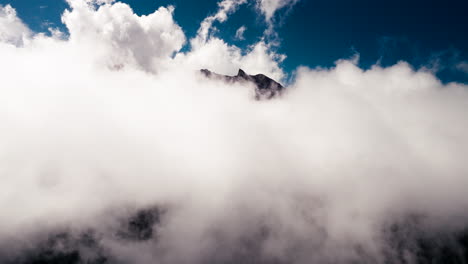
x: 318, y: 175
x: 12, y: 29
x: 111, y: 32
x: 225, y: 8
x: 221, y: 57
x: 240, y: 33
x: 210, y: 52
x: 269, y: 7
x: 94, y: 2
x: 122, y: 36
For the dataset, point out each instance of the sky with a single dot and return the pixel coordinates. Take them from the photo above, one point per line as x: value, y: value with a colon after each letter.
x: 115, y: 148
x: 431, y: 34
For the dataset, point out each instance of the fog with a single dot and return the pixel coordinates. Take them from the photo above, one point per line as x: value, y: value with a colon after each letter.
x: 346, y: 166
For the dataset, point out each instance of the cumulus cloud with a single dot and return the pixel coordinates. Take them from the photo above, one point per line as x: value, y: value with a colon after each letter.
x: 12, y: 29
x: 122, y: 36
x: 348, y: 165
x: 240, y: 33
x: 118, y: 37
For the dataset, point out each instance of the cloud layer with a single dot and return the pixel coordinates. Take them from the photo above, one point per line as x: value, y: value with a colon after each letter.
x: 348, y: 165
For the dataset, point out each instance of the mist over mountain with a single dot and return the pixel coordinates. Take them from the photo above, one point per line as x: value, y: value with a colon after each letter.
x: 116, y: 148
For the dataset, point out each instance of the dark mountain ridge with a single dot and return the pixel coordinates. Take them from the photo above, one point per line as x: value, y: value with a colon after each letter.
x: 265, y: 87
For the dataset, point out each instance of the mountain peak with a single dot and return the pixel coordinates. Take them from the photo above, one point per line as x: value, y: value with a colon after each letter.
x: 241, y: 73
x: 266, y: 88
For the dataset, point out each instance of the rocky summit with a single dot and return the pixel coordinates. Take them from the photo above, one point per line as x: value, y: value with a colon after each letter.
x: 265, y: 87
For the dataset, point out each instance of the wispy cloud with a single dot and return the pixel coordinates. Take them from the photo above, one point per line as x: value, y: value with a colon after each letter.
x: 240, y: 33
x: 225, y: 8
x: 270, y: 7
x: 463, y: 66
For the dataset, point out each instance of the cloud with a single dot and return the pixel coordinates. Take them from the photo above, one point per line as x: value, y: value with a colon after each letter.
x: 223, y: 58
x: 12, y: 29
x: 94, y: 2
x: 349, y: 165
x: 208, y: 51
x: 269, y: 7
x: 225, y: 7
x: 122, y: 36
x: 462, y: 66
x: 240, y: 33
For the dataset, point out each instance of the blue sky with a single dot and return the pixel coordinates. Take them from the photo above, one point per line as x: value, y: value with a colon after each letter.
x: 317, y: 33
